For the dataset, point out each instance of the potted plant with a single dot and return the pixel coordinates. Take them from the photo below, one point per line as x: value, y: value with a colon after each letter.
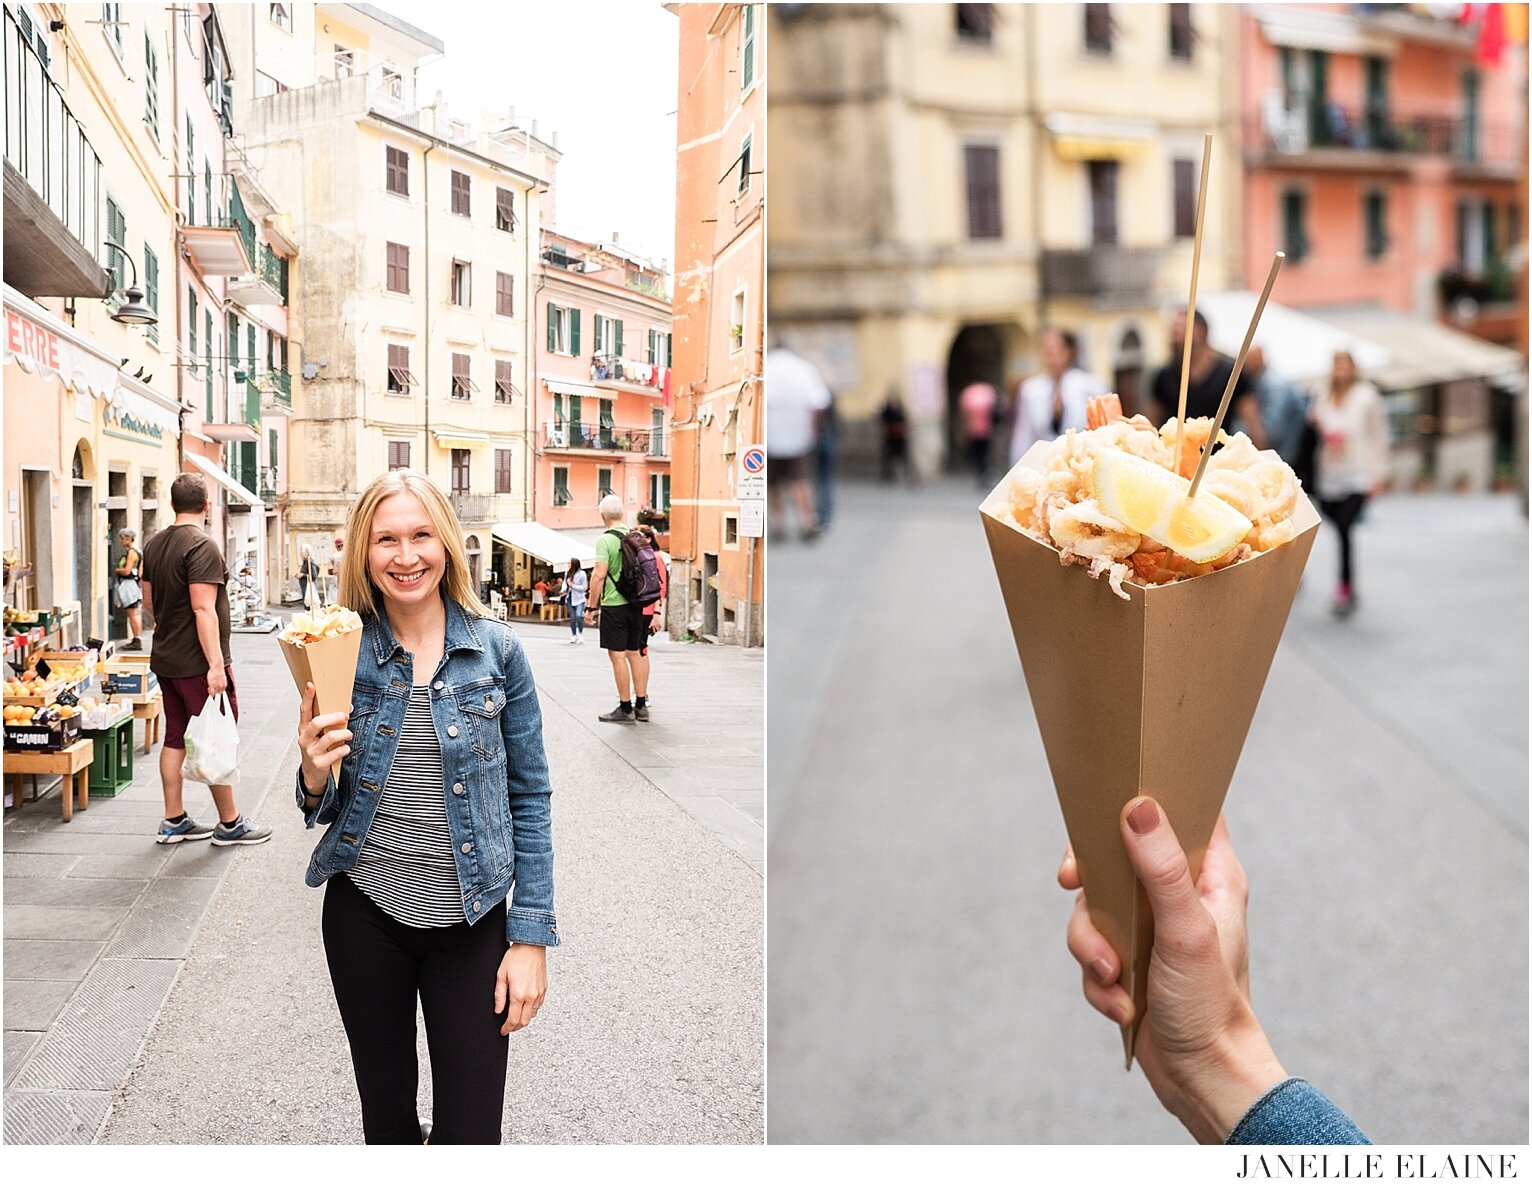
x: 660, y: 521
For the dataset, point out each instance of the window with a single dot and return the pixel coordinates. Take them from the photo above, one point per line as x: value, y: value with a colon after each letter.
x: 152, y: 289
x: 975, y: 23
x: 459, y: 193
x: 731, y: 531
x: 659, y: 492
x: 604, y: 482
x: 266, y: 85
x: 981, y: 170
x: 461, y: 283
x: 111, y: 24
x: 505, y: 210
x: 151, y: 88
x: 1469, y: 148
x: 560, y: 487
x: 744, y: 165
x: 608, y: 335
x: 737, y: 322
x: 502, y: 470
x: 1182, y: 35
x: 1375, y: 224
x: 459, y: 472
x: 207, y: 192
x: 398, y: 268
x: 656, y: 431
x: 398, y: 454
x: 345, y: 62
x: 117, y: 230
x: 505, y: 294
x: 396, y: 171
x: 191, y: 172
x: 400, y: 378
x: 659, y: 348
x: 393, y: 83
x: 1295, y: 241
x: 282, y: 17
x: 1103, y: 202
x: 1184, y: 176
x: 747, y: 51
x: 1375, y: 117
x: 462, y: 384
x: 563, y: 330
x: 191, y: 326
x: 607, y: 423
x: 505, y: 388
x: 1098, y: 28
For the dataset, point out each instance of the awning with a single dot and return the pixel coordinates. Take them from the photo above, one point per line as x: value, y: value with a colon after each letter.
x: 1098, y: 138
x: 1425, y: 352
x: 539, y: 541
x: 1298, y: 345
x: 231, y: 432
x: 571, y: 388
x: 460, y: 438
x: 227, y: 482
x: 1333, y: 32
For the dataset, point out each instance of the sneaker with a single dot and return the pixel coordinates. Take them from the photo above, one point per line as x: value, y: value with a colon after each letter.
x: 135, y: 646
x: 243, y: 832
x: 618, y: 716
x: 641, y: 713
x: 187, y: 828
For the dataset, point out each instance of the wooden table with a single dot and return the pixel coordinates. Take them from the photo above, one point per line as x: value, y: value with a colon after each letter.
x: 152, y: 713
x: 521, y: 607
x: 553, y: 612
x: 72, y: 764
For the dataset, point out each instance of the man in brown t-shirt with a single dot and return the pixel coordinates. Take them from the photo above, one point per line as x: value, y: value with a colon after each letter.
x: 185, y: 584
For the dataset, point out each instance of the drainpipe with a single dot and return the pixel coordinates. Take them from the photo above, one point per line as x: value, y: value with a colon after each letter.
x: 1034, y: 119
x: 425, y: 176
x: 529, y: 510
x: 175, y: 257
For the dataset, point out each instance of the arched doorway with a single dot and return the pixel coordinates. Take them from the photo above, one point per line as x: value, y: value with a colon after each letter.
x: 980, y: 352
x: 475, y: 553
x: 82, y: 517
x: 1128, y: 372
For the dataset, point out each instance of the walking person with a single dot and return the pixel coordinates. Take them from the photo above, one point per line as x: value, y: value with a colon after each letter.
x: 1054, y: 400
x: 128, y: 590
x: 826, y: 446
x: 796, y: 400
x: 185, y: 583
x: 624, y: 629
x: 441, y: 813
x: 654, y: 613
x: 1352, y: 458
x: 896, y: 439
x: 308, y: 577
x: 1208, y: 377
x: 977, y: 404
x: 337, y: 557
x: 577, y: 583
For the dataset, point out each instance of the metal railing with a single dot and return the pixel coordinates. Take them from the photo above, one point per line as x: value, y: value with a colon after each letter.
x: 280, y: 383
x: 272, y: 269
x: 268, y: 484
x: 253, y: 404
x: 45, y: 144
x: 1306, y: 127
x: 592, y: 436
x: 473, y: 507
x: 606, y: 366
x: 1102, y: 271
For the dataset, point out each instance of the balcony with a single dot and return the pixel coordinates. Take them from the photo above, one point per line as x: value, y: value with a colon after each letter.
x: 1330, y: 134
x: 473, y: 508
x: 1105, y: 271
x: 52, y: 180
x: 266, y: 285
x: 611, y: 369
x: 591, y: 437
x: 277, y: 393
x: 217, y: 246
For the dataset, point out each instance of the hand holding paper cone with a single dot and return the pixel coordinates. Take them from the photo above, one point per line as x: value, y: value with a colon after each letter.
x: 322, y: 649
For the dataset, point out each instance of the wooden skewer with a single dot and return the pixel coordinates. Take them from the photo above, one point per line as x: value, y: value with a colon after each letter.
x: 1239, y: 364
x: 1191, y: 301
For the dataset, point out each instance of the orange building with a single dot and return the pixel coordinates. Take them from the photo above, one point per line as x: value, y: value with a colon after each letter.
x: 603, y: 369
x: 718, y: 574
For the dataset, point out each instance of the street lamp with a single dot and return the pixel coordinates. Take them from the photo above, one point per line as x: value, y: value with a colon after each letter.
x: 134, y: 311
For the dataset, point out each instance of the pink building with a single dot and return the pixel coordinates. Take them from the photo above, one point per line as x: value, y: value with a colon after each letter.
x: 1382, y: 156
x: 601, y: 385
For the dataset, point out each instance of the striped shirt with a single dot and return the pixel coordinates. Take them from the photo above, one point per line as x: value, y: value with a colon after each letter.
x: 406, y: 865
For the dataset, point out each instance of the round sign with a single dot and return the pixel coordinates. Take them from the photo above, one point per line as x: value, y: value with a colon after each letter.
x: 754, y: 461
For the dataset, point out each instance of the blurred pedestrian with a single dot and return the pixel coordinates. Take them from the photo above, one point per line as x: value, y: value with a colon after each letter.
x: 977, y: 403
x: 1352, y: 459
x: 796, y: 399
x: 655, y: 612
x: 130, y: 596
x: 337, y: 556
x: 1210, y: 374
x: 1284, y: 412
x: 1054, y: 400
x: 577, y: 583
x: 624, y: 629
x: 826, y: 446
x: 308, y: 576
x: 896, y: 438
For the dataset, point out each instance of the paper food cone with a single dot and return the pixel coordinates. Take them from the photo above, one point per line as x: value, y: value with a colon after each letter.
x: 330, y: 664
x: 1151, y: 695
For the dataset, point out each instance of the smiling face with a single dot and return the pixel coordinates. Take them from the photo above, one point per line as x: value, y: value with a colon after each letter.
x: 405, y: 556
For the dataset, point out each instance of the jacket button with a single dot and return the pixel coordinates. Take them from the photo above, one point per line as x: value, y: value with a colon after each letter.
x: 437, y: 685
x: 466, y: 848
x: 452, y: 731
x: 475, y: 907
x: 457, y: 787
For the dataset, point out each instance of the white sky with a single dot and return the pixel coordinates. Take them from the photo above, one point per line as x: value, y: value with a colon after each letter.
x: 601, y: 73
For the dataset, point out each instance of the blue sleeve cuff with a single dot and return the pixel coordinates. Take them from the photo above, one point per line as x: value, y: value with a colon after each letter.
x: 530, y: 926
x: 325, y: 810
x: 1295, y: 1113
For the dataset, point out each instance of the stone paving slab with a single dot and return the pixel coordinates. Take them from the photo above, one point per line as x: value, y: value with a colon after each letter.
x: 33, y: 1004
x: 50, y: 959
x: 68, y: 891
x: 64, y: 1118
x: 145, y: 864
x: 18, y: 1045
x: 165, y: 920
x: 61, y: 921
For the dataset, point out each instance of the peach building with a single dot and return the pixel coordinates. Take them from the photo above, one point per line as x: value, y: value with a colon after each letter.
x: 718, y: 572
x: 601, y: 389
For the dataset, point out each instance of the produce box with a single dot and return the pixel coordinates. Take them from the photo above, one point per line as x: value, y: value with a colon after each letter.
x: 129, y: 674
x: 42, y: 738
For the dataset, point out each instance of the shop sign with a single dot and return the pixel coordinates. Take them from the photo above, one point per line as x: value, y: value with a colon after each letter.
x: 122, y: 424
x: 25, y: 338
x: 37, y: 350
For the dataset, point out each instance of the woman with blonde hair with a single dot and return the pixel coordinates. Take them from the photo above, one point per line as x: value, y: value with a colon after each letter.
x: 438, y: 858
x: 1352, y: 458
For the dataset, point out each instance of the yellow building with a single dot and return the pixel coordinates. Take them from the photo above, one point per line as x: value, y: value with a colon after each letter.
x: 952, y: 178
x: 419, y: 237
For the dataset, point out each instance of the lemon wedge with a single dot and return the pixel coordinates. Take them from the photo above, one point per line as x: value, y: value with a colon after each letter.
x: 1151, y: 500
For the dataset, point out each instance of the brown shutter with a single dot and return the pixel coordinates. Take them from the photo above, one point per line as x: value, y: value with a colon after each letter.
x: 981, y: 164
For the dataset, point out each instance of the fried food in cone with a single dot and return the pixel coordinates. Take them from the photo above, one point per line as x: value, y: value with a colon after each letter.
x: 322, y: 647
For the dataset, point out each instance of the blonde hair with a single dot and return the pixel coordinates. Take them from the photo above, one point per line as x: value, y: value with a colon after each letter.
x: 357, y: 590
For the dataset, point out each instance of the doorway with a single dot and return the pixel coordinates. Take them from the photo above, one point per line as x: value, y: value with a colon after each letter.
x: 710, y: 596
x: 977, y: 356
x: 35, y: 589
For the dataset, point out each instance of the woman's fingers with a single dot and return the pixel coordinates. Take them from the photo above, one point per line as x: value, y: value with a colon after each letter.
x: 1091, y: 950
x: 1069, y: 870
x: 1113, y: 1003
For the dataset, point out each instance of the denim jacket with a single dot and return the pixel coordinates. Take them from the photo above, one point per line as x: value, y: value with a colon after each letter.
x: 1295, y: 1113
x: 494, y: 771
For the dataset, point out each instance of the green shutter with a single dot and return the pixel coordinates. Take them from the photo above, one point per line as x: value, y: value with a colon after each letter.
x: 152, y: 290
x: 1462, y: 233
x: 669, y: 342
x: 207, y: 348
x: 552, y: 318
x: 1489, y: 234
x: 600, y: 334
x: 574, y: 332
x: 617, y: 351
x: 747, y: 67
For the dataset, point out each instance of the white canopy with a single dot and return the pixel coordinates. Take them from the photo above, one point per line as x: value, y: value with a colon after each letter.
x: 539, y: 541
x: 1298, y: 346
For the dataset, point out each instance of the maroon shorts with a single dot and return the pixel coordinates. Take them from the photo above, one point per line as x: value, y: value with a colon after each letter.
x: 184, y: 698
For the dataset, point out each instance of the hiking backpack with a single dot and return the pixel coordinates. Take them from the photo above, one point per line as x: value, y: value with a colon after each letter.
x: 638, y: 578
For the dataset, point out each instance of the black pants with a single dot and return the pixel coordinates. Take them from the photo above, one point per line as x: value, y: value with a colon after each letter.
x: 1343, y: 514
x: 378, y: 966
x: 978, y: 454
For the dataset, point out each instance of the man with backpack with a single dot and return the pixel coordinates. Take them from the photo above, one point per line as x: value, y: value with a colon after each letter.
x: 627, y: 579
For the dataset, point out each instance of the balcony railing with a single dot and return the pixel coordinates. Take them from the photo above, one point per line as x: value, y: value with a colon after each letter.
x: 1106, y: 271
x: 605, y: 366
x: 1312, y: 127
x: 268, y: 484
x: 591, y: 436
x: 46, y: 146
x: 473, y: 507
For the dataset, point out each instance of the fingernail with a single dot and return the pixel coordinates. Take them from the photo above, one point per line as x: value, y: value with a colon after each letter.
x: 1121, y: 1013
x: 1144, y: 817
x: 1102, y: 971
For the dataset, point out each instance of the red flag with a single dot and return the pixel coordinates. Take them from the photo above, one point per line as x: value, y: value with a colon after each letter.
x: 1491, y: 35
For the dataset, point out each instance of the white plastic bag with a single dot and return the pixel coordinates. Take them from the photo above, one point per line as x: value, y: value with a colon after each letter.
x: 212, y: 745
